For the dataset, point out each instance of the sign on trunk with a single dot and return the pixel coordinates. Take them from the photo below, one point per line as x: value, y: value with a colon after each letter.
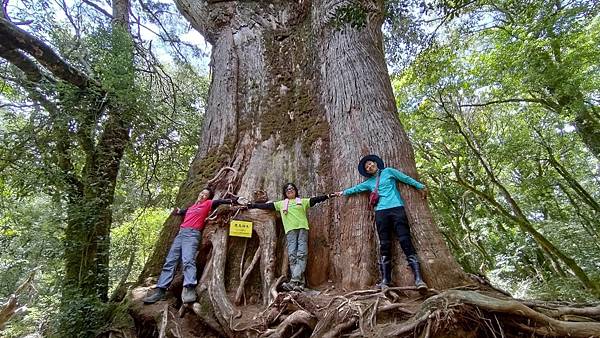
x: 240, y: 228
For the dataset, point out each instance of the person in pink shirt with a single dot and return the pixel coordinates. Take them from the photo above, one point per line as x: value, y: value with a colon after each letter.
x: 185, y: 246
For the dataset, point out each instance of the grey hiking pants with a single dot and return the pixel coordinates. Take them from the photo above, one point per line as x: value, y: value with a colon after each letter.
x: 185, y: 246
x: 297, y: 246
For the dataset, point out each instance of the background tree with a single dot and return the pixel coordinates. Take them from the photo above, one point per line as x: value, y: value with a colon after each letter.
x: 505, y: 152
x: 72, y: 107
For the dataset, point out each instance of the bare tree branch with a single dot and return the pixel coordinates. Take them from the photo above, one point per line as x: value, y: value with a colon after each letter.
x: 517, y: 100
x: 4, y: 11
x: 17, y: 38
x: 98, y: 8
x: 172, y: 41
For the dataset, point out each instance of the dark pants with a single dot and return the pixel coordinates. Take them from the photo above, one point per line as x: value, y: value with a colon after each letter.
x: 393, y: 219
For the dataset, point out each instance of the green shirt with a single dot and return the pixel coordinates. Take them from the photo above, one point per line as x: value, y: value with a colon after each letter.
x: 295, y: 217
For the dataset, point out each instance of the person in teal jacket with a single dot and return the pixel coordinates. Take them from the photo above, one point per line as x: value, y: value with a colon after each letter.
x: 389, y: 214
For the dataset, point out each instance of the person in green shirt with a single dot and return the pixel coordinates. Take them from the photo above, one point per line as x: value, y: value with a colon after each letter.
x: 389, y: 214
x: 293, y: 211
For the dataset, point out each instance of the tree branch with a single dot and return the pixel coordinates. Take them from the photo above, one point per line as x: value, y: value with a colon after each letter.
x: 517, y: 100
x: 171, y: 40
x: 13, y: 37
x: 98, y: 8
x: 21, y: 61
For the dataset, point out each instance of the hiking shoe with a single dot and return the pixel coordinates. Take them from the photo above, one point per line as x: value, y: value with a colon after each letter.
x: 159, y: 294
x: 287, y: 286
x: 299, y: 287
x: 189, y: 294
x: 421, y: 286
x: 413, y: 262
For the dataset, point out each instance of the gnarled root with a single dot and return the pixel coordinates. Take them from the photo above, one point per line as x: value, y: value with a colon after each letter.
x: 298, y: 317
x: 484, y: 313
x: 393, y: 311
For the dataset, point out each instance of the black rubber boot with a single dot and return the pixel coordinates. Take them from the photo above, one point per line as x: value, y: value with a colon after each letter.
x: 385, y: 269
x: 413, y: 262
x: 159, y: 294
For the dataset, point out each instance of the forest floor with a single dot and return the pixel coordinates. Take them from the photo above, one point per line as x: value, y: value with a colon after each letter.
x: 392, y: 312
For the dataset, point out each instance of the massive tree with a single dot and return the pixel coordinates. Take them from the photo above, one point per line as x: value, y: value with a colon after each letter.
x: 299, y: 96
x: 300, y: 91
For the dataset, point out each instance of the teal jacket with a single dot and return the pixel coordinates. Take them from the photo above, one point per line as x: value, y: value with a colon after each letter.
x: 389, y: 195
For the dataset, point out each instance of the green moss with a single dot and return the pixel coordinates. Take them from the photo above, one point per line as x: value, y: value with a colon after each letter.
x: 118, y: 316
x: 205, y: 305
x: 291, y: 111
x: 205, y: 169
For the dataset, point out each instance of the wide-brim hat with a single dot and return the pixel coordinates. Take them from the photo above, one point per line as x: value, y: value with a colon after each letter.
x: 374, y: 158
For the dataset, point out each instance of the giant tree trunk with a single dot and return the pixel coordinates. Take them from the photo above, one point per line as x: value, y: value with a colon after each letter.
x: 293, y: 98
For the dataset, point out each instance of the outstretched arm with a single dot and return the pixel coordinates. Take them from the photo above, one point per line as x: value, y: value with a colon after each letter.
x: 216, y: 203
x: 355, y: 189
x: 402, y: 177
x: 264, y: 206
x: 317, y: 199
x: 178, y: 212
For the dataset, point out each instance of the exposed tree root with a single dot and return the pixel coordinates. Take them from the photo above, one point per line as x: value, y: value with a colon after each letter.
x: 338, y: 329
x: 473, y: 311
x: 240, y: 290
x: 510, y: 317
x: 163, y: 323
x: 565, y: 312
x: 298, y: 317
x: 453, y: 313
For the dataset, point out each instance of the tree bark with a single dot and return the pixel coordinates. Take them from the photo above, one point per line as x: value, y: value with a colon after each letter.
x: 293, y: 98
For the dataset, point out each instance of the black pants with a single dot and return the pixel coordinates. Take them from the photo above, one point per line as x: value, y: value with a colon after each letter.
x: 393, y: 218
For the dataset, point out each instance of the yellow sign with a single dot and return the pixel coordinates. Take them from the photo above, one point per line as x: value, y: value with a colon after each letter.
x: 240, y: 228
